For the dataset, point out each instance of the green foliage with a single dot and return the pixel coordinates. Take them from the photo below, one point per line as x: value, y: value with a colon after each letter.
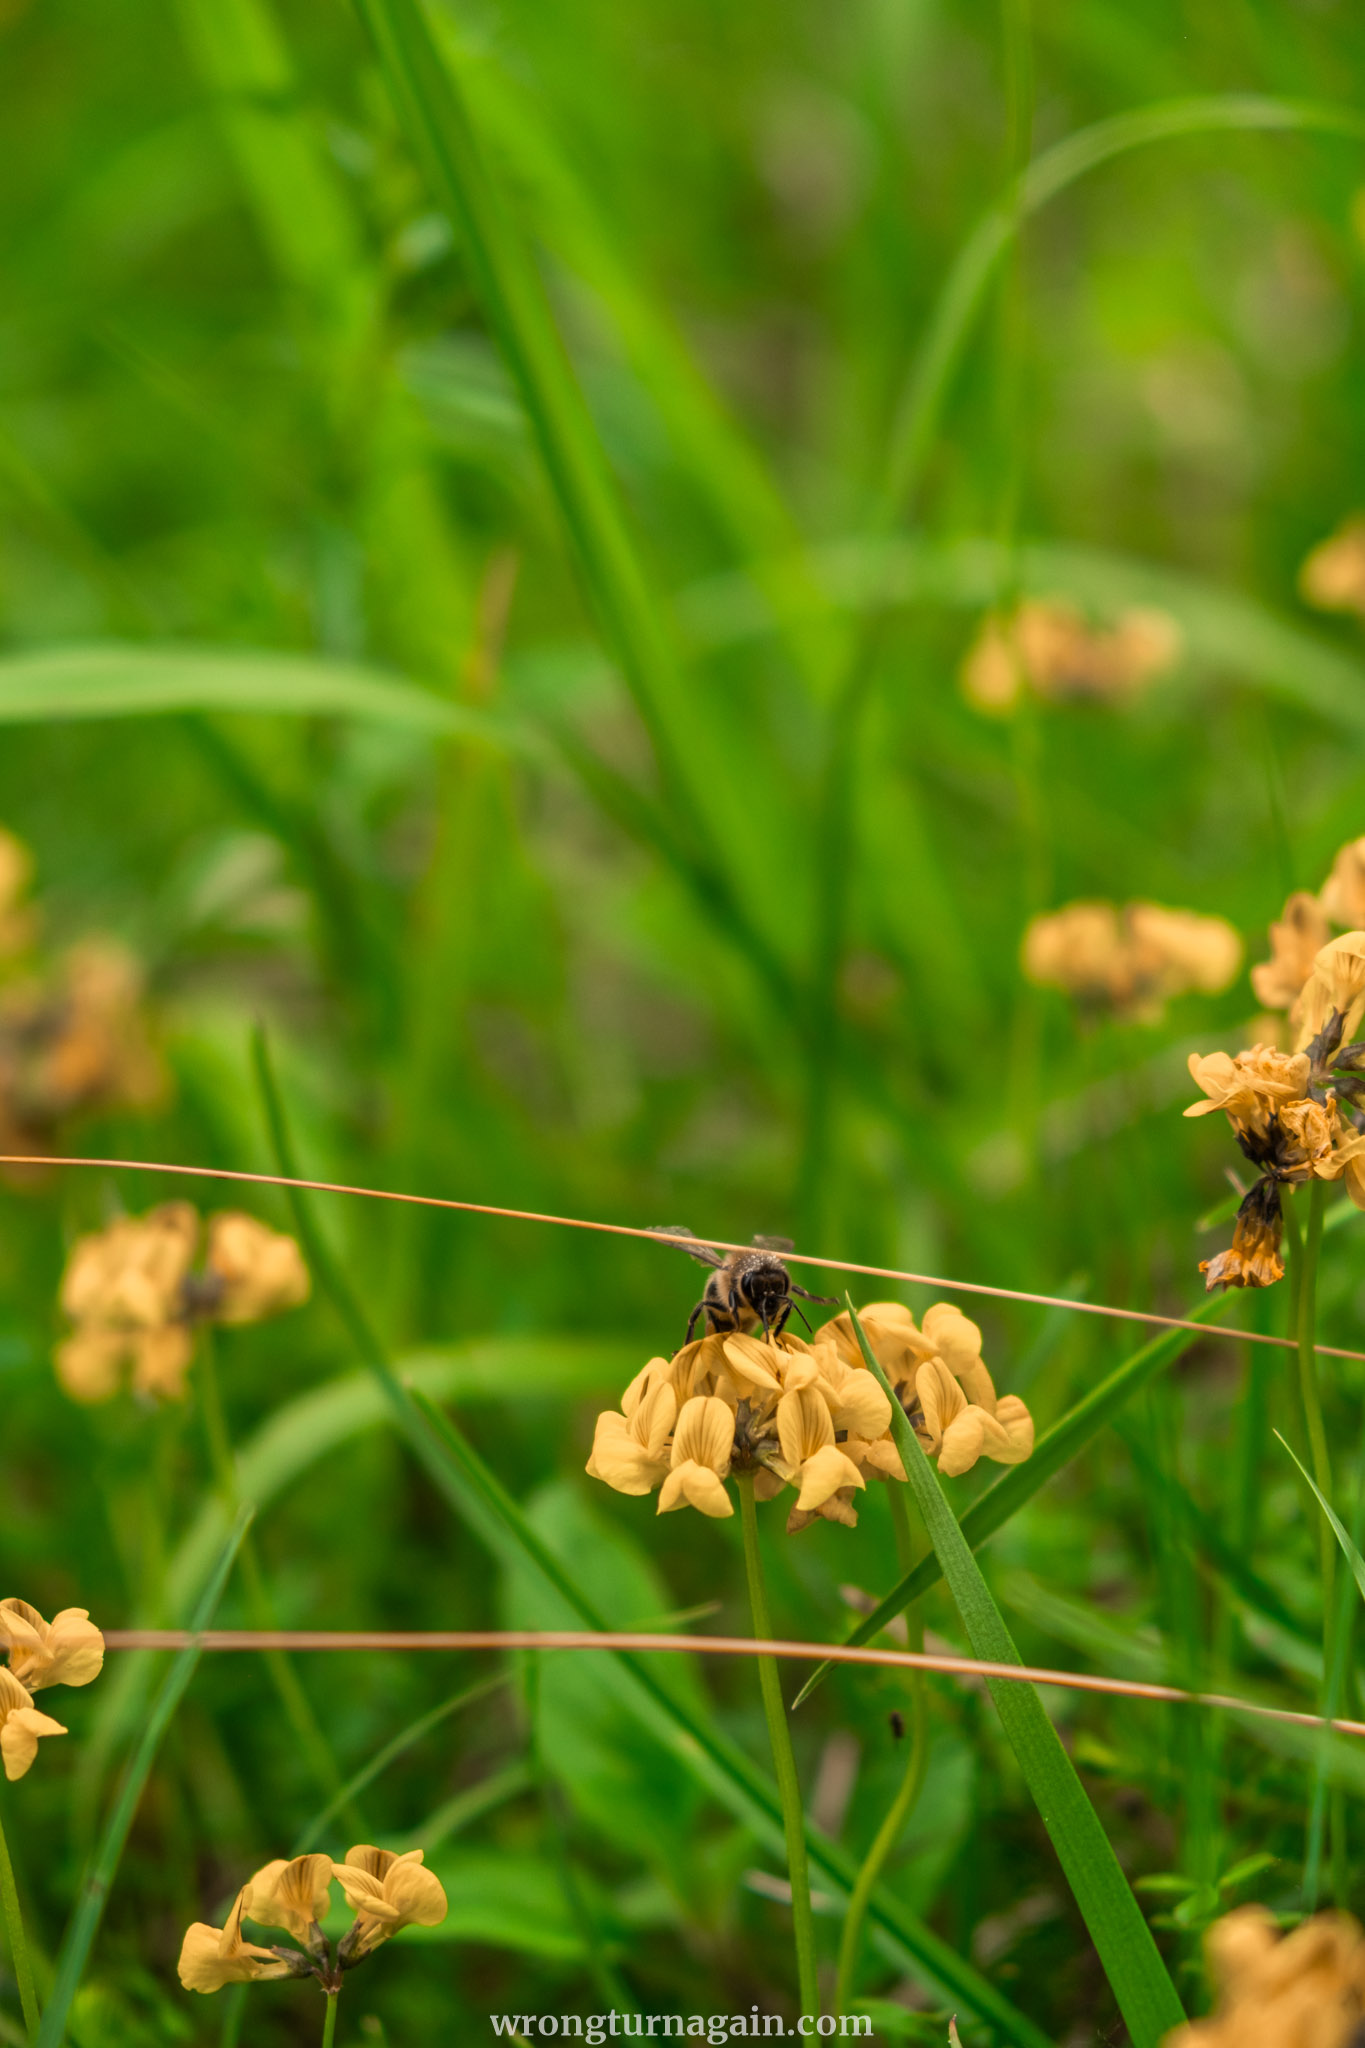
x: 493, y: 506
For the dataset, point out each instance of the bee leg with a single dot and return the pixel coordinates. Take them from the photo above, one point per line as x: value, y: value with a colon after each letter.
x: 825, y: 1300
x: 804, y: 1317
x: 692, y: 1319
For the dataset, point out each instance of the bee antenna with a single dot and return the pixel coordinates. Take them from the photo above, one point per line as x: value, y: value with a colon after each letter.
x: 804, y: 1317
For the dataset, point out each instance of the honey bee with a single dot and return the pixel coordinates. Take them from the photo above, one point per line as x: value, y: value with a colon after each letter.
x: 746, y: 1288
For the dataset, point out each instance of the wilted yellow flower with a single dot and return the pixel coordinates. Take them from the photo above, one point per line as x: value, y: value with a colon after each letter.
x: 387, y: 1893
x: 1047, y: 646
x: 211, y: 1957
x: 1249, y: 1086
x: 1305, y: 1989
x: 135, y: 1298
x: 1333, y: 575
x: 1343, y: 893
x: 1254, y: 1257
x: 1295, y: 942
x: 291, y: 1894
x: 68, y: 1650
x: 1133, y: 961
x: 21, y: 1725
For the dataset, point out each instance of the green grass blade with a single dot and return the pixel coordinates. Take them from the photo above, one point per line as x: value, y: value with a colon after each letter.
x: 112, y: 679
x: 433, y: 112
x: 1339, y: 1530
x: 1056, y: 1447
x: 390, y: 1753
x: 99, y: 1877
x: 1138, y: 1977
x: 963, y: 293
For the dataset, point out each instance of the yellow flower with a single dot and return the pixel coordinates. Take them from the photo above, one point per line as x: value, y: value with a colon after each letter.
x: 1305, y: 1989
x: 1047, y: 645
x: 630, y: 1451
x: 293, y: 1895
x: 1333, y: 575
x: 1335, y: 987
x: 817, y: 1465
x: 68, y: 1650
x: 1132, y: 962
x: 1296, y: 939
x: 21, y: 1725
x: 211, y: 1957
x: 259, y: 1271
x: 387, y: 1894
x: 957, y: 1431
x: 1251, y: 1085
x: 1343, y: 893
x: 700, y: 1458
x: 133, y: 1294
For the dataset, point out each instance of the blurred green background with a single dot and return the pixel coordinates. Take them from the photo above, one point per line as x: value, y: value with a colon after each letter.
x: 725, y: 932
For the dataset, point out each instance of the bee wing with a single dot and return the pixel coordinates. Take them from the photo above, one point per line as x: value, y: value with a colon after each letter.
x: 686, y: 1241
x: 774, y: 1244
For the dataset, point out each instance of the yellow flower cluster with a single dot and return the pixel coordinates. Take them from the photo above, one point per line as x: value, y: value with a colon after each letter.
x: 1046, y: 646
x: 1295, y: 1115
x: 1304, y: 927
x: 73, y: 1034
x: 1299, y: 1990
x: 134, y: 1295
x: 1131, y: 961
x: 68, y: 1650
x: 385, y: 1891
x: 809, y: 1416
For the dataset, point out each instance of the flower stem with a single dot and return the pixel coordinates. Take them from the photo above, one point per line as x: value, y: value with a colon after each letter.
x: 1308, y: 1386
x: 901, y: 1807
x: 784, y: 1763
x: 329, y: 2025
x: 17, y: 1939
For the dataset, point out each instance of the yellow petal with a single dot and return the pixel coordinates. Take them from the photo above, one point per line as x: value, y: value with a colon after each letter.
x: 90, y: 1364
x: 417, y: 1895
x: 19, y: 1737
x: 824, y: 1475
x: 855, y: 1402
x: 705, y: 1434
x: 941, y: 1399
x: 291, y: 1894
x: 260, y: 1271
x: 1336, y: 983
x: 695, y: 1486
x: 803, y: 1425
x: 752, y: 1364
x: 955, y: 1337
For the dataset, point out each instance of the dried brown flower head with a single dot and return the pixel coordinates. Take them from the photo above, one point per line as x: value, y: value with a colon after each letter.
x: 1131, y: 962
x: 1333, y: 575
x: 1299, y: 1990
x: 134, y: 1296
x: 1046, y: 645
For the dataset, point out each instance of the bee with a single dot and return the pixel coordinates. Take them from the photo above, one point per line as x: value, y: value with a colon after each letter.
x: 746, y: 1288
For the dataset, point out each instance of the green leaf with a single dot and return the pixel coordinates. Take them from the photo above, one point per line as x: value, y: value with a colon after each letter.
x: 1138, y: 1977
x: 127, y: 679
x: 1056, y: 1447
x: 589, y: 1736
x: 94, y: 1892
x: 1348, y: 1549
